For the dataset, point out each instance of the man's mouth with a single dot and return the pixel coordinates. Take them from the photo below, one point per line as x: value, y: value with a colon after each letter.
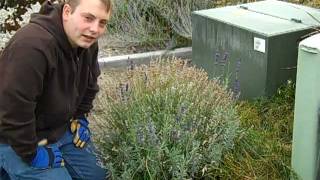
x: 89, y: 37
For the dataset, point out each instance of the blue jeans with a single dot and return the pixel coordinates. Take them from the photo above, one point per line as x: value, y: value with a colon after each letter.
x: 79, y: 164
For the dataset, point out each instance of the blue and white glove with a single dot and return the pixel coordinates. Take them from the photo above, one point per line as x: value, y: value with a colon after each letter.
x: 48, y: 157
x: 79, y: 127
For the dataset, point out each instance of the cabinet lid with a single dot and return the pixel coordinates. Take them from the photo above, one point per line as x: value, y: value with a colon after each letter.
x: 311, y: 44
x: 270, y: 17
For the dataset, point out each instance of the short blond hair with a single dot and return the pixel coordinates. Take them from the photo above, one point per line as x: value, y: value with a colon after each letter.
x: 75, y: 3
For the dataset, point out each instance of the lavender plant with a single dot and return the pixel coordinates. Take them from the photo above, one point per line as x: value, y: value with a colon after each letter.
x: 178, y: 13
x: 134, y: 23
x: 164, y: 121
x: 152, y: 22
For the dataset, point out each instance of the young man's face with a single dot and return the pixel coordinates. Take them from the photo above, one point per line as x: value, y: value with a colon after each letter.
x: 86, y: 23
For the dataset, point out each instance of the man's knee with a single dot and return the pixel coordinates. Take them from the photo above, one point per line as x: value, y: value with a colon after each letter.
x: 4, y: 175
x: 95, y: 173
x: 100, y: 173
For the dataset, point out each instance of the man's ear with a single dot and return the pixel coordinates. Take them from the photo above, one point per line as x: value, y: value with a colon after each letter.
x: 66, y: 11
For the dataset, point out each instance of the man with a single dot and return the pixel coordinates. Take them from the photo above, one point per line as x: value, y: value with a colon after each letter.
x: 48, y: 80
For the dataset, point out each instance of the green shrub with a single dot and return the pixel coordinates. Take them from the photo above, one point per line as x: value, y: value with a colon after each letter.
x: 164, y: 121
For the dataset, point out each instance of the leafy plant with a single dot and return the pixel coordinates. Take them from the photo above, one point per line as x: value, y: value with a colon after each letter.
x: 164, y: 121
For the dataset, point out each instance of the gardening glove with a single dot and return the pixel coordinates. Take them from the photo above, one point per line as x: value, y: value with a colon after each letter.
x: 48, y: 157
x: 79, y: 127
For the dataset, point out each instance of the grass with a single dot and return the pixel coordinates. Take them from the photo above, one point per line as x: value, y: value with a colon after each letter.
x: 263, y: 148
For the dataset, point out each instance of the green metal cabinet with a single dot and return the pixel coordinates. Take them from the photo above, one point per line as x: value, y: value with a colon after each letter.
x: 253, y: 46
x: 305, y: 146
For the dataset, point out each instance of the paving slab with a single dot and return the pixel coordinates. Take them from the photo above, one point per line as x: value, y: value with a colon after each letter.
x: 143, y: 58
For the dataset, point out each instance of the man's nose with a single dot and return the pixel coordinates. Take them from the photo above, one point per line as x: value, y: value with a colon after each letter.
x: 94, y: 28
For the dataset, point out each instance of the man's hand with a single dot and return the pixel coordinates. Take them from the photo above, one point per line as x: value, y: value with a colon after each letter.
x: 79, y: 127
x: 48, y: 157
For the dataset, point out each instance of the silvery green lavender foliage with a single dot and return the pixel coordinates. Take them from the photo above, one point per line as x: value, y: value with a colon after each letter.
x: 178, y: 13
x: 151, y: 22
x: 134, y: 23
x: 164, y: 121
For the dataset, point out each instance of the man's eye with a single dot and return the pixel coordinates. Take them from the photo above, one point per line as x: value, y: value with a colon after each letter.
x: 102, y: 24
x: 88, y: 18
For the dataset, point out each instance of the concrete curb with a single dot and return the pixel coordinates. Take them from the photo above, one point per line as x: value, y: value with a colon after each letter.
x: 143, y: 58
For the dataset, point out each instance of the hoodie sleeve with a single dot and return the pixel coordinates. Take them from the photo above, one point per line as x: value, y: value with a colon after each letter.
x: 86, y: 103
x: 22, y: 70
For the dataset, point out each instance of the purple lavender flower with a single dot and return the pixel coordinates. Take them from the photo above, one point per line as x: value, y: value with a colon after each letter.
x: 216, y: 60
x: 178, y: 119
x: 183, y: 109
x: 236, y: 88
x: 127, y: 87
x: 140, y: 135
x: 152, y: 133
x: 145, y: 78
x: 121, y: 92
x: 238, y: 66
x: 182, y: 112
x: 175, y: 135
x: 130, y: 64
x: 124, y: 88
x: 224, y: 59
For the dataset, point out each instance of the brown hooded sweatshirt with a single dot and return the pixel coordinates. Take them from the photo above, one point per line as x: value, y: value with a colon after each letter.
x: 44, y: 82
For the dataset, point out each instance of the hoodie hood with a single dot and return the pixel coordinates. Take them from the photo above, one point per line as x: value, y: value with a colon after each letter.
x: 50, y: 18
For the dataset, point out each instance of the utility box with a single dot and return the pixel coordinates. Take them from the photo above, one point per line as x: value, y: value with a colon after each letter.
x: 253, y: 46
x: 305, y: 145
